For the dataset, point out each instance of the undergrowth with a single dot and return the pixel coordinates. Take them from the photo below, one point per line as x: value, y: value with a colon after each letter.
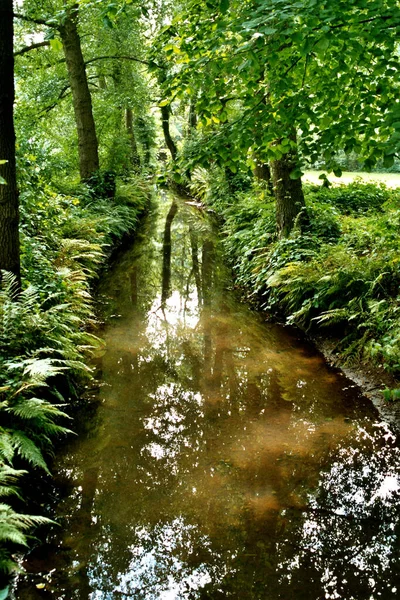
x: 341, y: 272
x: 45, y: 333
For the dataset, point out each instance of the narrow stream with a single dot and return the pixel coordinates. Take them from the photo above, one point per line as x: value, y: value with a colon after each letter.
x: 226, y: 459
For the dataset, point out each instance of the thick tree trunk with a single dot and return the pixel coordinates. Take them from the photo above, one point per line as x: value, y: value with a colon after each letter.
x: 82, y: 101
x: 9, y: 212
x: 165, y: 113
x: 288, y: 193
x: 135, y: 159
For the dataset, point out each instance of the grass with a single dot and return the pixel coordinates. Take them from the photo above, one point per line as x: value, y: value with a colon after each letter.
x: 391, y: 180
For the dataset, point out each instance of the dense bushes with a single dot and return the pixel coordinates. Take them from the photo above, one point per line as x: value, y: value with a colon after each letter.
x: 341, y: 271
x: 44, y: 329
x: 356, y: 197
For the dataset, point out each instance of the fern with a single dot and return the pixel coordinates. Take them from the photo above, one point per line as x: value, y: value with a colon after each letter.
x: 12, y: 524
x: 36, y: 408
x: 28, y: 450
x: 332, y: 317
x: 43, y: 330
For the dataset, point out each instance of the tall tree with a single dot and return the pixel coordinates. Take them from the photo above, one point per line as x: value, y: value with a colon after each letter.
x: 82, y: 101
x: 329, y: 72
x: 135, y: 158
x: 9, y: 212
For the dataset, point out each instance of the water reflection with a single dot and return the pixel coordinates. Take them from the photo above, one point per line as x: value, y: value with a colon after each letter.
x: 226, y: 459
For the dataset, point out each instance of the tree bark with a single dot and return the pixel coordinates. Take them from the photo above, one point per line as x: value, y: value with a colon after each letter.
x: 165, y: 113
x: 288, y: 193
x: 262, y: 172
x: 192, y: 121
x: 9, y: 206
x: 82, y: 101
x: 135, y: 159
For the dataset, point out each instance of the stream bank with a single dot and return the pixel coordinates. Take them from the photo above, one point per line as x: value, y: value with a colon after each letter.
x: 226, y: 459
x: 45, y: 341
x: 336, y: 279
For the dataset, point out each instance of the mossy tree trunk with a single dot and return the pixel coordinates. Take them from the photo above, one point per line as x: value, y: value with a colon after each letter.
x: 9, y: 207
x: 288, y: 192
x: 135, y: 159
x: 82, y: 101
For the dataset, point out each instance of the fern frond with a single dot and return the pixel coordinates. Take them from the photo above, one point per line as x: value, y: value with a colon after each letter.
x: 43, y: 368
x: 9, y: 475
x: 36, y: 408
x: 6, y: 491
x: 28, y: 450
x: 330, y: 317
x: 6, y: 447
x: 9, y: 287
x: 13, y: 525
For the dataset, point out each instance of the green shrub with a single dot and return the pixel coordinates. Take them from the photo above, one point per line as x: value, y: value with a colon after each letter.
x: 357, y: 197
x: 341, y: 271
x: 323, y: 221
x: 44, y: 329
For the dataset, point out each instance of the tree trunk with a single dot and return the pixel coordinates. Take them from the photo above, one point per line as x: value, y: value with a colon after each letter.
x: 262, y: 172
x: 9, y: 208
x: 135, y: 160
x: 192, y: 121
x: 166, y: 268
x: 165, y: 113
x: 288, y: 193
x: 82, y: 101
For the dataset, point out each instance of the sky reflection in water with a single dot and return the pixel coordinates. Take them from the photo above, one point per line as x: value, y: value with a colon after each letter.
x: 226, y: 459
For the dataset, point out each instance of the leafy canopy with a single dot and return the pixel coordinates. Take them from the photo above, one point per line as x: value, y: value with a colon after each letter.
x: 258, y: 68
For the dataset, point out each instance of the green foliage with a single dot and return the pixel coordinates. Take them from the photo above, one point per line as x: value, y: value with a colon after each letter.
x: 391, y: 395
x: 340, y: 270
x: 260, y: 69
x: 13, y: 527
x: 357, y: 197
x: 44, y: 328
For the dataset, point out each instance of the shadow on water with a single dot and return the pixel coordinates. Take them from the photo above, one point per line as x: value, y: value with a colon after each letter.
x: 226, y: 459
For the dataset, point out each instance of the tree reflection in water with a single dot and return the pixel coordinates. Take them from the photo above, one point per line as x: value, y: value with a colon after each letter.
x: 226, y: 460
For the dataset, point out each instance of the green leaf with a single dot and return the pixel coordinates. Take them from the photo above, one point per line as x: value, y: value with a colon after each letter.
x: 322, y: 45
x: 268, y: 30
x: 296, y: 173
x: 4, y: 593
x: 56, y: 44
x: 388, y: 162
x: 224, y: 5
x: 2, y: 181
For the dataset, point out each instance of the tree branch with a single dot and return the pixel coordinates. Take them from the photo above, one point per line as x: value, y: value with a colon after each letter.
x: 34, y: 20
x: 139, y: 60
x: 32, y: 47
x: 63, y: 94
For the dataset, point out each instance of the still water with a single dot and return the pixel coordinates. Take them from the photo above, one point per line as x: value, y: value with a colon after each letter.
x: 226, y: 459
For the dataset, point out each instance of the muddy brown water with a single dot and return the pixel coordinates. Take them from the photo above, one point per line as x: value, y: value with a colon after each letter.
x: 225, y: 460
